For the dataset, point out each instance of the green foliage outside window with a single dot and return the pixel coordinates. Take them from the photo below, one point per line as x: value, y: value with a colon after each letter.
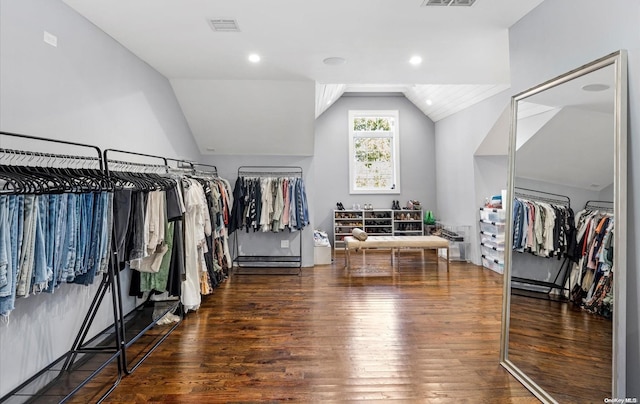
x: 373, y: 162
x: 371, y: 124
x: 373, y: 146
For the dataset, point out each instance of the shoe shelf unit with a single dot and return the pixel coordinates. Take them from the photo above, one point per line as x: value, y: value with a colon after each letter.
x: 407, y: 223
x: 344, y: 221
x: 376, y: 222
x: 492, y: 226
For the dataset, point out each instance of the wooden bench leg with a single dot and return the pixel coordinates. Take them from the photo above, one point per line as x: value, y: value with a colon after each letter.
x: 448, y: 260
x: 347, y: 257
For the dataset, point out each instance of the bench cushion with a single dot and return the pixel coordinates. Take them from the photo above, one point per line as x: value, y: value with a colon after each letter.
x: 397, y: 242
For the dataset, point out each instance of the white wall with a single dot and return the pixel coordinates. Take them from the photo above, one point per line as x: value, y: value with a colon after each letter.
x: 91, y: 90
x: 331, y: 161
x: 463, y: 181
x: 559, y: 36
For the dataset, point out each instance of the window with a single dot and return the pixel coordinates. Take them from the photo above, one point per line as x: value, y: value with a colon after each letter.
x: 374, y: 161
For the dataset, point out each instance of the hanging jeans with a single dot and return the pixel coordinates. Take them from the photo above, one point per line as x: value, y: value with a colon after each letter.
x: 5, y: 244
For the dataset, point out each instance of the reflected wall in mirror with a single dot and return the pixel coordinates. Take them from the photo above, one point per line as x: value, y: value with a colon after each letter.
x: 563, y: 314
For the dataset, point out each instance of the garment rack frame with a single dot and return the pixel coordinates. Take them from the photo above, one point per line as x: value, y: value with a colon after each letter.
x: 268, y: 261
x: 84, y: 349
x: 125, y: 343
x: 565, y: 266
x: 81, y: 347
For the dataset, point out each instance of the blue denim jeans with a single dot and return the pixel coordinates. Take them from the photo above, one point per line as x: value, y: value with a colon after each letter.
x: 5, y: 241
x: 14, y: 226
x: 107, y: 232
x: 25, y: 270
x: 41, y: 274
x: 16, y: 220
x: 83, y: 241
x: 92, y: 241
x: 50, y: 235
x: 70, y: 246
x: 60, y: 242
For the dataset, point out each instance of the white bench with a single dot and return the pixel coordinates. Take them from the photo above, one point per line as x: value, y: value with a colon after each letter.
x: 395, y: 242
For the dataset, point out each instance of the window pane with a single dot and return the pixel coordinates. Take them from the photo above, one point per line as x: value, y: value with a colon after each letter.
x: 373, y: 163
x: 372, y: 123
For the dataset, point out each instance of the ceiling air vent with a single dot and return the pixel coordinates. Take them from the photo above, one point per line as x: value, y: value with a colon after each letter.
x: 428, y: 3
x: 224, y: 25
x: 467, y: 3
x: 440, y: 3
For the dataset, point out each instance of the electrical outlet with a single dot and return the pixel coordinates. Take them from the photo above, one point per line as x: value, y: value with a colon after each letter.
x: 51, y: 39
x: 284, y: 243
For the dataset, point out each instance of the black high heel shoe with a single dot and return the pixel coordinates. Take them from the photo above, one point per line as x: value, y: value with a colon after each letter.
x: 339, y: 206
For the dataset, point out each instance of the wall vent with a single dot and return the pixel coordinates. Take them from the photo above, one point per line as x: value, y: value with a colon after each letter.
x: 224, y: 25
x: 444, y: 3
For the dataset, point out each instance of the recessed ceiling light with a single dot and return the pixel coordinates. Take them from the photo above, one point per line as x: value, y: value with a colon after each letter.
x: 334, y: 61
x: 415, y: 60
x: 595, y: 87
x: 429, y: 102
x: 254, y: 58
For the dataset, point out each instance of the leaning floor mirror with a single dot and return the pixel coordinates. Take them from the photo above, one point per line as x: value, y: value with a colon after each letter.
x: 563, y: 325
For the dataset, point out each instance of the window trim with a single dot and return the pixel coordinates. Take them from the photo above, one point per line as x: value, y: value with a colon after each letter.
x: 395, y: 135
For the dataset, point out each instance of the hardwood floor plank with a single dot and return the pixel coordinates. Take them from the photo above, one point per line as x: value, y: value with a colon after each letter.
x: 420, y: 335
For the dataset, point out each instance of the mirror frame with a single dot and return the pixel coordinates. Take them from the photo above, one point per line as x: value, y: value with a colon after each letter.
x: 619, y: 61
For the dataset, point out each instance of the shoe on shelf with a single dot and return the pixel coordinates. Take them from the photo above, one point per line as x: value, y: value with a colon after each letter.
x: 340, y: 206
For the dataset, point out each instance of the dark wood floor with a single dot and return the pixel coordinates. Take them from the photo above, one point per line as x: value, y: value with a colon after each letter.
x: 420, y: 335
x: 567, y: 351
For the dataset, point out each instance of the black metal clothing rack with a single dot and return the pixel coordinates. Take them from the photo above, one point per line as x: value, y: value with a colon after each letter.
x: 268, y: 261
x: 606, y: 206
x: 58, y: 377
x: 136, y: 323
x: 565, y: 268
x: 542, y: 196
x: 89, y: 357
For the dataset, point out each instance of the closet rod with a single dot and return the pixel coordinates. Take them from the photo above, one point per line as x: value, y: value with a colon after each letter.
x: 559, y: 198
x: 21, y: 153
x: 132, y: 164
x: 23, y: 136
x: 107, y: 151
x: 215, y: 169
x: 182, y: 164
x: 258, y: 171
x: 593, y: 204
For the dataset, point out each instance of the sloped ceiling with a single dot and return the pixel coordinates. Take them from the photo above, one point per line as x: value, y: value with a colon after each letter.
x: 496, y: 142
x: 564, y: 134
x: 574, y: 148
x: 265, y: 117
x: 459, y: 46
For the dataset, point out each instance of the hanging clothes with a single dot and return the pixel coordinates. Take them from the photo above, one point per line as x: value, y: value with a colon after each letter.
x: 50, y: 239
x: 543, y: 229
x: 592, y: 276
x: 269, y: 204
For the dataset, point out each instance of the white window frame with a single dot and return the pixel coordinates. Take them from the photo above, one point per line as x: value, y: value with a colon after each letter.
x: 394, y: 133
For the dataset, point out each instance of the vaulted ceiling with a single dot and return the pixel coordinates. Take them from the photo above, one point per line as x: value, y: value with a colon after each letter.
x: 464, y: 52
